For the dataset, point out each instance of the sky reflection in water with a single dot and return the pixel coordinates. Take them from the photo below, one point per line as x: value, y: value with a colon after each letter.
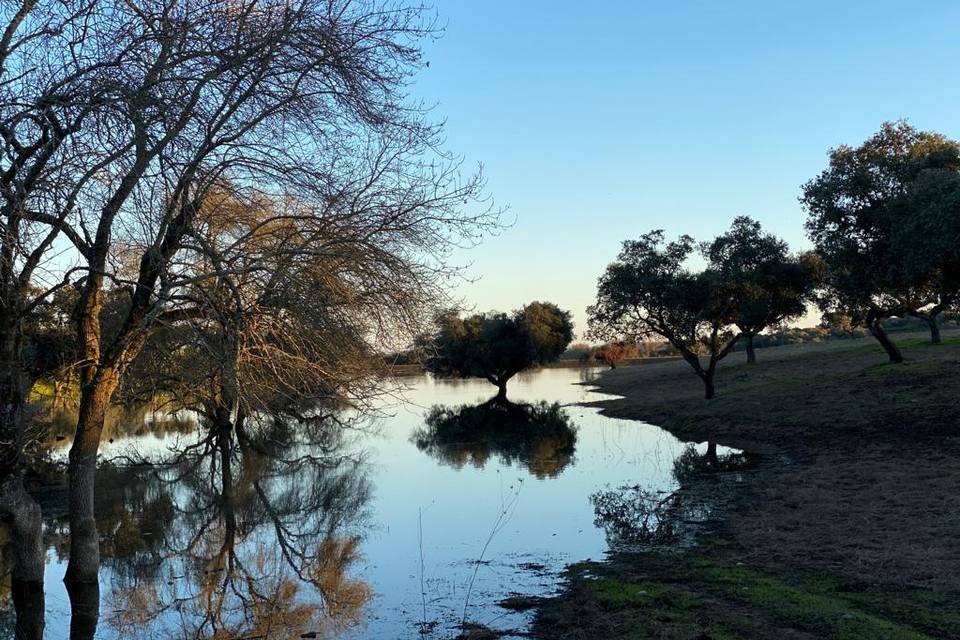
x: 369, y: 513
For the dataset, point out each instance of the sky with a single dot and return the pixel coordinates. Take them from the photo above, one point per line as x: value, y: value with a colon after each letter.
x: 596, y: 122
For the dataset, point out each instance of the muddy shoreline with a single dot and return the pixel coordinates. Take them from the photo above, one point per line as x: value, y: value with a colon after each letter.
x: 847, y: 527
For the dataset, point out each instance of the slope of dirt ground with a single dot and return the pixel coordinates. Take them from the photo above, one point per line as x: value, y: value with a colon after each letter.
x: 849, y: 526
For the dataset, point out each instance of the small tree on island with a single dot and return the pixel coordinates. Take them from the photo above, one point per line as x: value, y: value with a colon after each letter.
x: 497, y: 346
x: 648, y: 291
x: 770, y: 285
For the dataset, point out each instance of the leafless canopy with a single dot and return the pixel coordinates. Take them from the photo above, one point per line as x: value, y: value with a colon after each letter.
x: 251, y: 170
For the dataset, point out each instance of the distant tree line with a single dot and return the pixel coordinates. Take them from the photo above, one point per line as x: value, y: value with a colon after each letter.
x: 614, y: 353
x: 884, y: 219
x: 844, y: 330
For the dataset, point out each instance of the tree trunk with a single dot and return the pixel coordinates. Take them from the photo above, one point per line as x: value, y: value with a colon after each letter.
x: 84, y: 561
x: 501, y: 391
x: 24, y: 516
x: 878, y: 332
x: 28, y: 603
x: 14, y: 388
x: 224, y: 428
x: 227, y: 492
x: 84, y: 609
x: 17, y: 507
x: 934, y: 329
x: 751, y: 354
x: 708, y: 385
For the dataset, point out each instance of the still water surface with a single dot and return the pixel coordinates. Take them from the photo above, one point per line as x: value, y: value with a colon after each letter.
x: 403, y: 541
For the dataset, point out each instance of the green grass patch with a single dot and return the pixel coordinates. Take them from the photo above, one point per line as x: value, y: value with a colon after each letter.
x: 905, y: 368
x: 813, y: 606
x: 925, y: 342
x: 614, y: 594
x: 674, y: 596
x: 934, y: 612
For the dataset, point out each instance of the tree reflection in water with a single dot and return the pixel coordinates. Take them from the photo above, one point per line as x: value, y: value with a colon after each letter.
x: 539, y: 436
x: 636, y: 515
x: 239, y: 536
x: 21, y: 603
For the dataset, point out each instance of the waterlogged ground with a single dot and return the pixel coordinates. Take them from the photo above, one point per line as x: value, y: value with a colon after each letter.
x: 405, y: 531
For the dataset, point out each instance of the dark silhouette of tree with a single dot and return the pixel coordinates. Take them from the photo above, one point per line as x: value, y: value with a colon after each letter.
x: 21, y: 553
x: 46, y: 98
x: 541, y: 436
x: 648, y: 291
x: 28, y: 606
x: 497, y: 346
x: 770, y: 285
x: 119, y: 122
x: 871, y: 215
x: 927, y: 237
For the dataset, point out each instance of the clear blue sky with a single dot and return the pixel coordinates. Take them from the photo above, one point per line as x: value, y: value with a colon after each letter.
x: 596, y: 122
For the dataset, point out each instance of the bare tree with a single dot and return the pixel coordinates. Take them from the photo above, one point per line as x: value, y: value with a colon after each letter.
x: 290, y: 303
x: 45, y: 100
x: 278, y: 98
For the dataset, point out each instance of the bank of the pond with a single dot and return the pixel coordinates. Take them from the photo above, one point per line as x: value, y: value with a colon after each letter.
x: 848, y: 528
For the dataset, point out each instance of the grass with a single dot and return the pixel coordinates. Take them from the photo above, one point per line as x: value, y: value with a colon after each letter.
x: 911, y: 343
x: 613, y: 594
x: 817, y: 610
x: 694, y: 596
x: 846, y: 529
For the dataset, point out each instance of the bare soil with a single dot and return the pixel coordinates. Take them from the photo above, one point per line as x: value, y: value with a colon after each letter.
x: 848, y: 528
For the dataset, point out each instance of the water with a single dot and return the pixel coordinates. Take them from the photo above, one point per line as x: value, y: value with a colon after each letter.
x: 400, y: 536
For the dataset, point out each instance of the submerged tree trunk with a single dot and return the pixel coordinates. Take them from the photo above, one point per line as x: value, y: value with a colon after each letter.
x: 84, y: 563
x: 751, y: 354
x: 81, y: 579
x: 84, y: 609
x: 23, y: 515
x: 17, y: 507
x: 225, y: 427
x: 28, y: 605
x: 878, y: 332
